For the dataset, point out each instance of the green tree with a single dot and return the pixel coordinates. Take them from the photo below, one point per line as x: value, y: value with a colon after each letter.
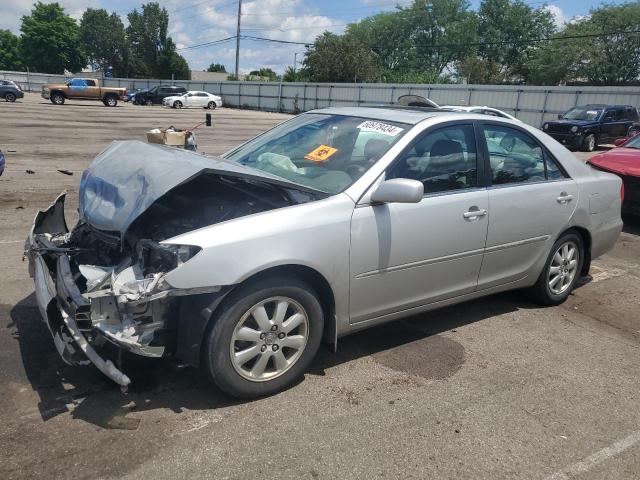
x: 265, y: 73
x: 217, y: 67
x: 337, y: 58
x: 50, y: 40
x: 152, y: 51
x: 425, y: 37
x: 610, y: 59
x: 103, y: 40
x: 507, y: 31
x: 9, y: 51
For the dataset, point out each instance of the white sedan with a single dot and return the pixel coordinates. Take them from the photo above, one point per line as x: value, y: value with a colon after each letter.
x: 193, y: 99
x: 478, y: 109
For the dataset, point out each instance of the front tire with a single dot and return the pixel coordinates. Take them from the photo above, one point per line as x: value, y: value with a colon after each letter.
x: 590, y: 143
x: 10, y: 97
x: 561, y: 272
x: 265, y: 335
x: 177, y: 104
x: 57, y: 98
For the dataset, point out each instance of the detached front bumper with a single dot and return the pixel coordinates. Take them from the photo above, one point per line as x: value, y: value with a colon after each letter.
x: 61, y: 304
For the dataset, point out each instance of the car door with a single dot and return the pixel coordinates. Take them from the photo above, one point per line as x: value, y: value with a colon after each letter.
x: 76, y: 89
x: 610, y: 124
x: 531, y: 200
x: 408, y: 255
x: 202, y: 99
x: 92, y: 90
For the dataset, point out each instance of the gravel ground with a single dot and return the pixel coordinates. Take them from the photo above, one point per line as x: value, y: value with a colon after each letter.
x: 495, y: 388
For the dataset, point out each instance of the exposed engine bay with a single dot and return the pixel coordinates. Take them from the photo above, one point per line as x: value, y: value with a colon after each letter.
x: 97, y: 286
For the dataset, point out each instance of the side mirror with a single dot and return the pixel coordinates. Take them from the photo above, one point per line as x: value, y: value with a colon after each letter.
x: 618, y: 142
x: 398, y: 190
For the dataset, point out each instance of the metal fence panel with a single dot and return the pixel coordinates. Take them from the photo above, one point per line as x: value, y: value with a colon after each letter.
x: 531, y: 104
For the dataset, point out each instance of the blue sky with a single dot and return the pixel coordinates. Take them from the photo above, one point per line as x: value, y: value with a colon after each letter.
x: 193, y: 22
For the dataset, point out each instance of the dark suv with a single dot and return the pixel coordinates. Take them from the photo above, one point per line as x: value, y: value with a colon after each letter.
x: 10, y: 90
x: 585, y: 127
x: 155, y: 95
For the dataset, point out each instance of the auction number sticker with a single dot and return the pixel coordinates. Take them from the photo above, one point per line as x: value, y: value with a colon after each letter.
x: 320, y: 154
x: 380, y: 127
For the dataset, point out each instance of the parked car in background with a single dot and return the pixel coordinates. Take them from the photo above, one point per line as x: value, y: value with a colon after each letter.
x: 334, y: 221
x: 156, y: 95
x: 83, y: 89
x: 494, y: 112
x: 2, y: 162
x: 585, y: 127
x: 10, y: 90
x: 624, y: 161
x: 130, y: 96
x: 193, y: 99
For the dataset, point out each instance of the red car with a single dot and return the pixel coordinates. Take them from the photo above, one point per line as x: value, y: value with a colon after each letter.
x: 624, y: 161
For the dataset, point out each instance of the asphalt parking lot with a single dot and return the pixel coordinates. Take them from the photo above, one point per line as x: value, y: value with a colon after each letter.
x: 494, y: 388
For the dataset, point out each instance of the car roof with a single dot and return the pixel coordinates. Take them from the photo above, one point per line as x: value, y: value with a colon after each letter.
x: 402, y: 114
x: 605, y: 105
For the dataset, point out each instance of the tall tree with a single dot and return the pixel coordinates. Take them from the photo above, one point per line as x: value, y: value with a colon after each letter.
x: 614, y: 58
x: 337, y: 58
x: 153, y: 53
x: 266, y: 72
x: 9, y: 51
x: 507, y: 32
x: 50, y: 40
x: 103, y: 40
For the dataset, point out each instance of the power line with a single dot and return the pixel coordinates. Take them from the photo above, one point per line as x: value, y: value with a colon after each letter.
x: 208, y: 44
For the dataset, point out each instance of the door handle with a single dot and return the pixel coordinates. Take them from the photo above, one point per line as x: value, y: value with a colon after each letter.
x: 564, y: 198
x: 474, y: 212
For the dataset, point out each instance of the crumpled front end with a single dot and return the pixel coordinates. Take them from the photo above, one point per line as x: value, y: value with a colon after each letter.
x: 92, y: 290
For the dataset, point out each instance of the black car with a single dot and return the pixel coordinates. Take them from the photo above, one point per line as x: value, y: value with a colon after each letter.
x: 585, y: 127
x: 10, y: 90
x: 155, y: 95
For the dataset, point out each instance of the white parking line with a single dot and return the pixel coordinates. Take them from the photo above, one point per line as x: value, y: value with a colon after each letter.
x: 600, y: 456
x: 4, y: 242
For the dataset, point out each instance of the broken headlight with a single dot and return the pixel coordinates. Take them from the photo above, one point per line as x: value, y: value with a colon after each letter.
x: 158, y: 258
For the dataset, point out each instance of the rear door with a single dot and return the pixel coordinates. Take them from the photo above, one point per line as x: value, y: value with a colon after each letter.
x: 531, y: 200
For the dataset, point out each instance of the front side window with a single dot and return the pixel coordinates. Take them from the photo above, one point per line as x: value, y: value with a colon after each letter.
x: 443, y: 160
x: 324, y: 152
x: 515, y: 157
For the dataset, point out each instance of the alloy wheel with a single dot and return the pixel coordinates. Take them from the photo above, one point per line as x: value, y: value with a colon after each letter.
x: 269, y: 339
x: 10, y: 97
x: 563, y: 268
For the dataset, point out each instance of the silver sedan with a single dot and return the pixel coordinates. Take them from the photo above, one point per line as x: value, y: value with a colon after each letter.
x: 334, y: 221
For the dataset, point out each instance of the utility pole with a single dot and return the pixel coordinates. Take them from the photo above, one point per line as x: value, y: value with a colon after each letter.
x: 238, y: 41
x: 295, y: 62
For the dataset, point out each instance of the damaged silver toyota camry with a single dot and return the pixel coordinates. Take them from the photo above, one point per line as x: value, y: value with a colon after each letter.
x: 336, y: 220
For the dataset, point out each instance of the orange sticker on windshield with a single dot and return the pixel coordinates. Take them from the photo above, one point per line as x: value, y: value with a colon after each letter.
x: 321, y: 154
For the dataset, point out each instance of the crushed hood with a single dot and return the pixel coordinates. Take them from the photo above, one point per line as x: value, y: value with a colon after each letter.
x: 129, y: 176
x: 624, y: 161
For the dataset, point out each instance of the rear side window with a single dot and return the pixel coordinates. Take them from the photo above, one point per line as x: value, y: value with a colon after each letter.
x: 443, y: 160
x: 90, y: 83
x: 515, y: 157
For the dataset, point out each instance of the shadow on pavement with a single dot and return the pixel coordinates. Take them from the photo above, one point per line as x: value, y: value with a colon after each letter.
x: 156, y: 384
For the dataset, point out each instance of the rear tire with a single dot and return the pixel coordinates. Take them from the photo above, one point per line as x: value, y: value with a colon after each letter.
x: 110, y: 100
x: 211, y: 105
x: 273, y: 363
x: 10, y: 97
x: 560, y: 273
x: 57, y: 98
x: 590, y: 143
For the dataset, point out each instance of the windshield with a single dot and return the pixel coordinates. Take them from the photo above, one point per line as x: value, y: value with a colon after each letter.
x: 582, y: 113
x: 633, y: 142
x: 324, y: 152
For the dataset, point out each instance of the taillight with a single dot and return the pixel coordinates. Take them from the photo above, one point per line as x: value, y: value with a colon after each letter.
x: 622, y: 192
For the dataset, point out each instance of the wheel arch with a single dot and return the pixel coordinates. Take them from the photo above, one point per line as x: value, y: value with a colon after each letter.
x: 61, y: 92
x: 197, y: 317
